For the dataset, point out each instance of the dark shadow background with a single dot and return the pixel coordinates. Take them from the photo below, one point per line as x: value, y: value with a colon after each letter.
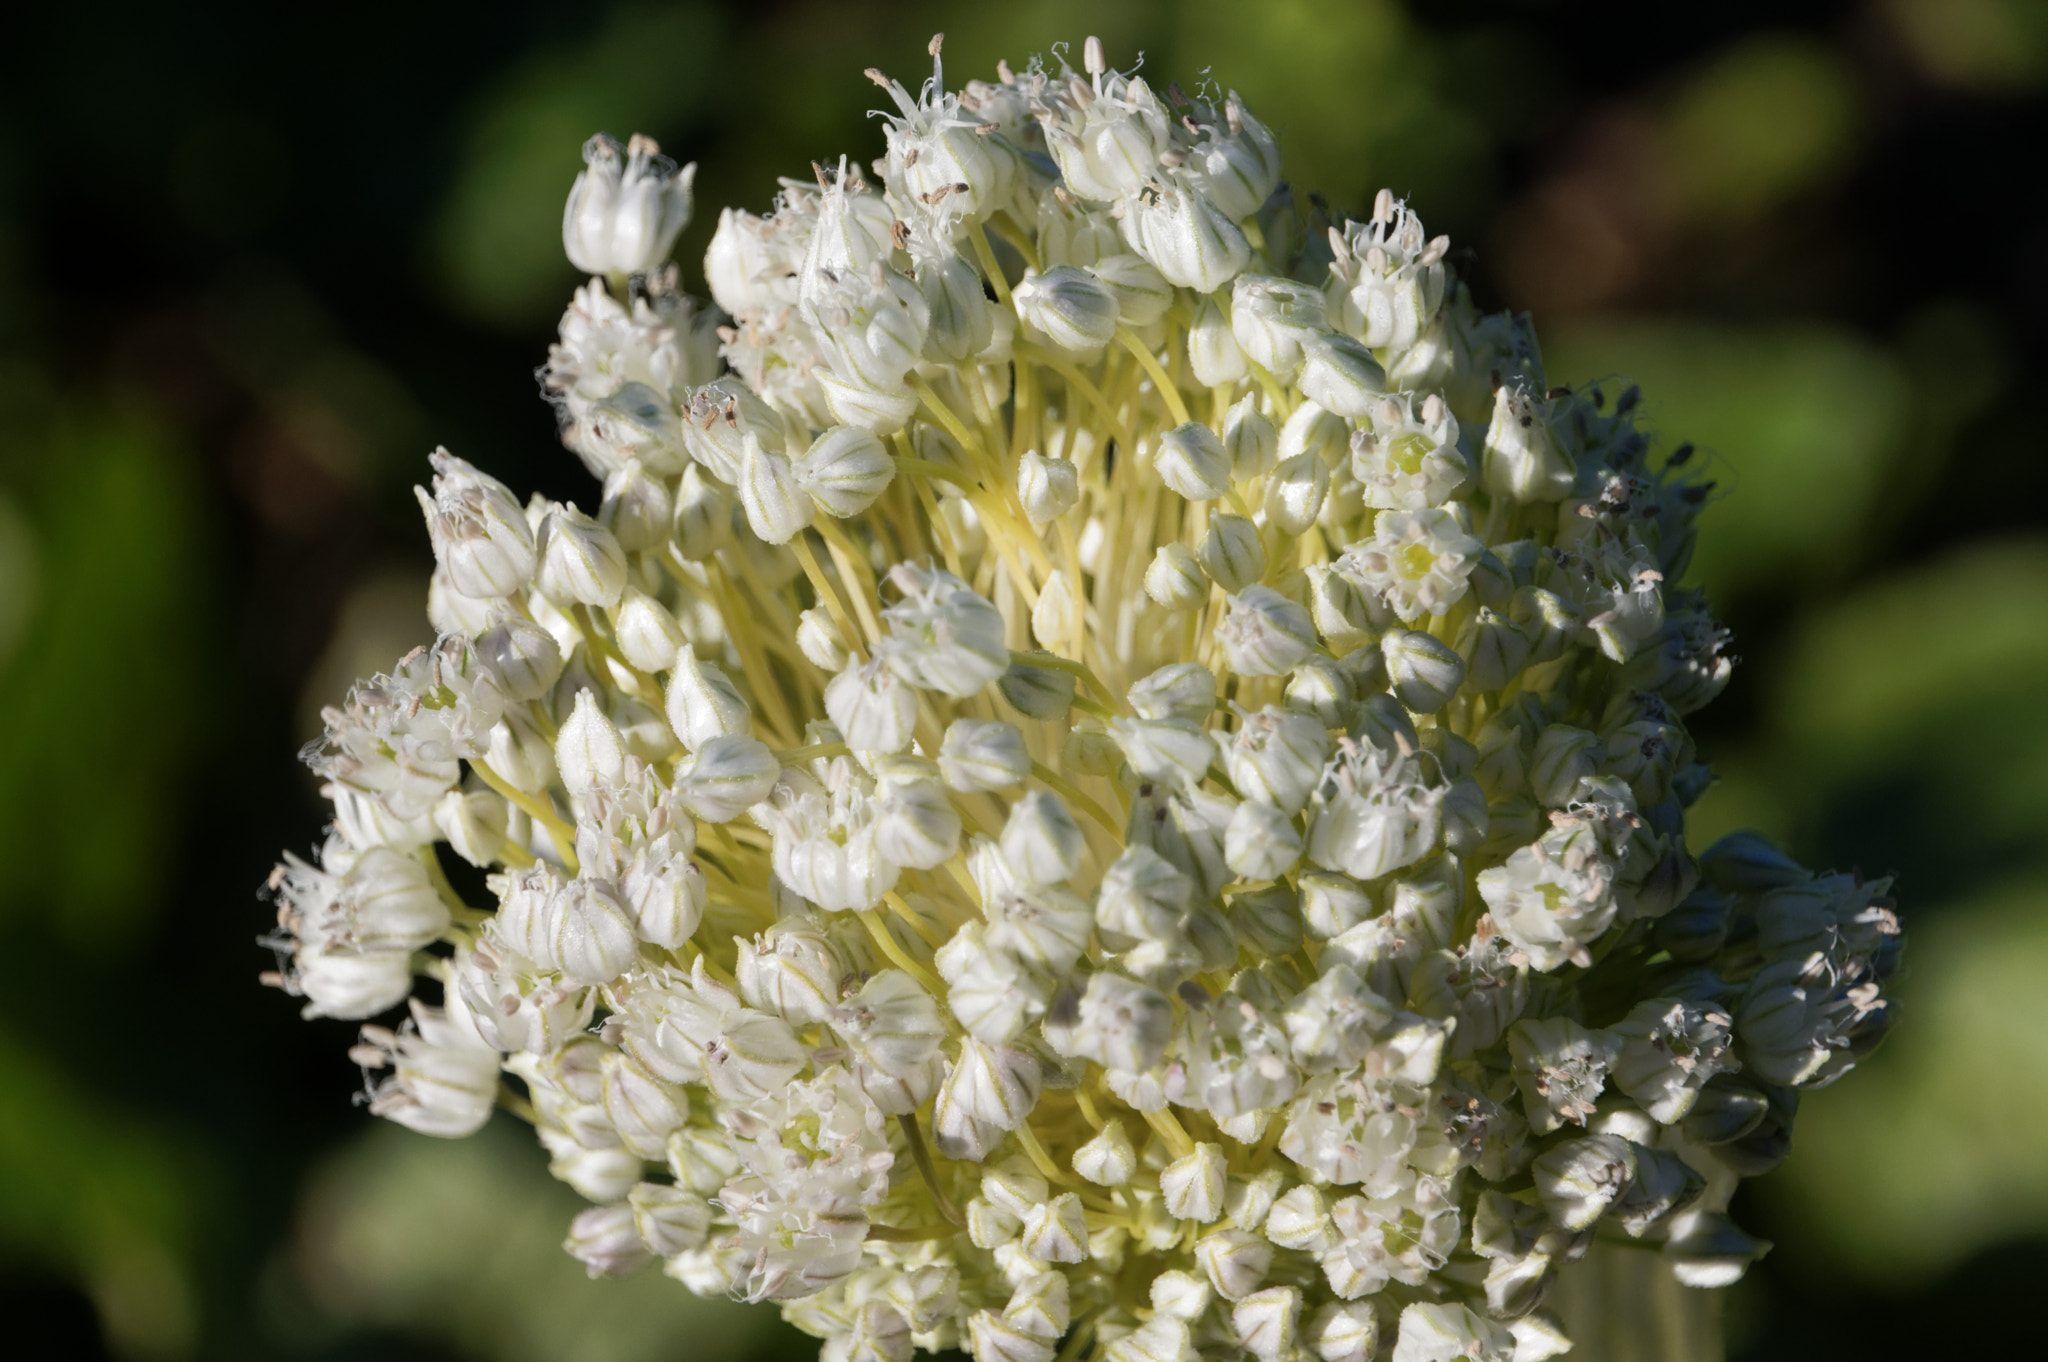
x: 255, y: 263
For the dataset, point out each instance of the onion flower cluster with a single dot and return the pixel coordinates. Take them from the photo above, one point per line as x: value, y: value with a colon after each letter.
x: 1103, y: 775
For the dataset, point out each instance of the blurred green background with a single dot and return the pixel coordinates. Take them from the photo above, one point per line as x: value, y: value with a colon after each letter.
x: 254, y: 264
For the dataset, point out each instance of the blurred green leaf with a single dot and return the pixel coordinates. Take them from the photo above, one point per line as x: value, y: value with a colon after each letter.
x: 1905, y: 729
x: 462, y: 1239
x: 102, y: 695
x: 1766, y: 120
x: 94, y: 1196
x: 1797, y: 422
x: 1976, y: 44
x: 1932, y: 1149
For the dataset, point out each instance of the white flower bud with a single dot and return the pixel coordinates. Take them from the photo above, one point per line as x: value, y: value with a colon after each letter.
x: 1268, y: 1322
x: 1261, y: 842
x: 1041, y: 842
x: 702, y: 702
x: 1564, y: 756
x: 991, y: 1338
x: 1142, y: 293
x: 590, y: 934
x: 1314, y: 430
x: 817, y: 636
x: 480, y: 535
x: 1494, y: 650
x: 1190, y: 460
x: 1295, y: 494
x: 730, y: 775
x: 637, y: 509
x: 1107, y: 1160
x: 1180, y: 1295
x: 580, y: 561
x: 1231, y: 552
x: 1056, y: 1231
x: 1068, y: 307
x: 521, y: 657
x: 1189, y: 238
x: 670, y: 1219
x: 588, y: 750
x: 1451, y: 1333
x: 474, y: 824
x: 1707, y: 1249
x: 983, y: 754
x: 1276, y: 757
x: 987, y: 1092
x: 647, y: 633
x: 1270, y: 319
x: 792, y: 972
x: 623, y: 216
x: 1038, y: 692
x: 1249, y: 440
x: 1212, y: 350
x: 962, y: 321
x: 1521, y: 458
x: 1119, y: 1023
x: 1265, y: 634
x: 1194, y: 1184
x: 1041, y: 1304
x: 607, y: 1242
x: 1344, y: 1331
x: 1579, y: 1179
x: 844, y: 470
x: 871, y: 707
x: 1179, y: 690
x: 667, y: 902
x: 641, y: 1109
x: 1052, y: 619
x: 521, y: 755
x: 1340, y: 374
x: 1175, y: 580
x: 1049, y: 488
x: 1175, y: 752
x: 776, y: 504
x: 754, y: 1056
x: 915, y: 824
x: 1301, y: 1220
x: 1235, y: 1262
x: 703, y: 516
x: 1423, y: 672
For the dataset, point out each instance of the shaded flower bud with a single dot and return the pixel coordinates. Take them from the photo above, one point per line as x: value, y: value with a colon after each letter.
x: 607, y: 1242
x: 1175, y: 580
x: 818, y: 638
x: 703, y: 517
x: 1069, y: 308
x: 873, y: 709
x: 648, y: 636
x: 1265, y: 634
x: 1047, y: 487
x: 730, y: 775
x: 1231, y: 552
x: 776, y: 505
x: 844, y: 470
x: 580, y: 561
x: 983, y: 754
x: 702, y: 703
x: 1423, y: 672
x: 588, y: 751
x: 1041, y: 842
x: 1212, y: 351
x: 1249, y: 440
x: 1191, y: 460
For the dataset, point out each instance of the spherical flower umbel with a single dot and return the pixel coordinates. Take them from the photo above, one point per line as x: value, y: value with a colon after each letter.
x: 1101, y: 782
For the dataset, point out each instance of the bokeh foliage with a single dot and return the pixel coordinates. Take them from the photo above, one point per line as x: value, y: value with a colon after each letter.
x: 252, y: 265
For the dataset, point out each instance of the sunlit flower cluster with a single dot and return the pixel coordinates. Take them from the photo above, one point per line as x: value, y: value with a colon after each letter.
x: 1104, y: 776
